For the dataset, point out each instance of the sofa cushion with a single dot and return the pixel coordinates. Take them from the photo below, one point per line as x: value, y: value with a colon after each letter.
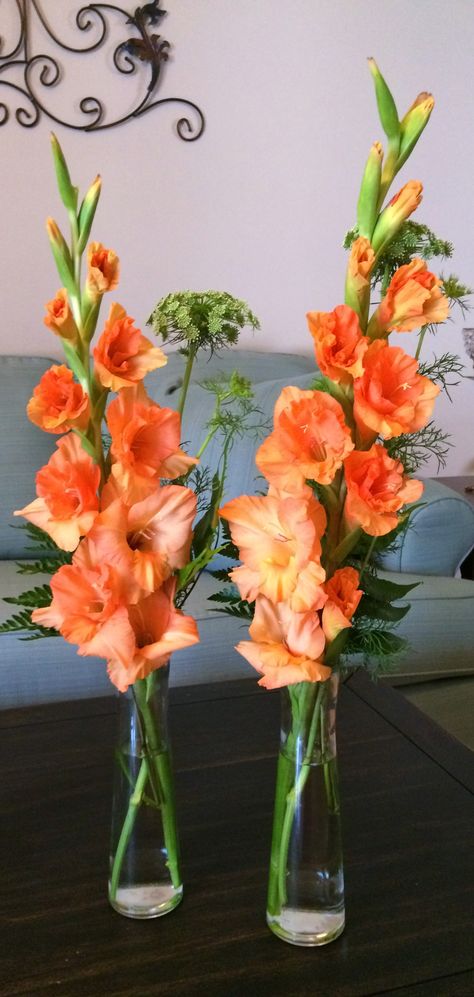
x: 23, y: 447
x: 439, y: 626
x: 163, y: 384
x: 440, y: 535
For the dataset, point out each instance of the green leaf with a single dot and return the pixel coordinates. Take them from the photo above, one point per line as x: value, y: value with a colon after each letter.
x: 41, y: 595
x: 374, y: 609
x: 376, y: 643
x: 382, y: 590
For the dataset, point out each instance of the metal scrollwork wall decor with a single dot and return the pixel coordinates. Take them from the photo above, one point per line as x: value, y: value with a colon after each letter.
x: 144, y: 49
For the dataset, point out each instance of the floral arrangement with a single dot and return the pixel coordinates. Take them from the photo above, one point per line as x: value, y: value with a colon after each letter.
x: 338, y: 466
x: 124, y: 518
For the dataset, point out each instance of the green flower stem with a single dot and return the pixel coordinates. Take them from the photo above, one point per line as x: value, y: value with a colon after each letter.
x: 186, y: 380
x: 294, y: 794
x: 421, y: 337
x: 128, y: 825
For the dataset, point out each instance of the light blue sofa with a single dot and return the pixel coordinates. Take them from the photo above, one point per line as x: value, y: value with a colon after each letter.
x: 440, y: 625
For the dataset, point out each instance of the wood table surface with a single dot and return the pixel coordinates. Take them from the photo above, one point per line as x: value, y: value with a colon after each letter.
x: 407, y: 797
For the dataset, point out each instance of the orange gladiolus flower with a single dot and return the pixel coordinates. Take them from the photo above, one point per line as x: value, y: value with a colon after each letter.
x: 67, y: 502
x: 59, y: 318
x: 145, y: 542
x: 122, y: 355
x: 414, y: 298
x: 145, y: 439
x: 338, y: 342
x: 58, y: 403
x: 280, y: 544
x: 286, y: 647
x: 343, y: 600
x: 377, y: 488
x: 159, y: 629
x: 310, y: 441
x: 391, y: 397
x: 104, y: 269
x: 88, y: 609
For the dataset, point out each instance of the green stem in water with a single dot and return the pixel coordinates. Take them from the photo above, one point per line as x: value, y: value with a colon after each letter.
x: 294, y: 794
x: 160, y: 774
x: 127, y: 828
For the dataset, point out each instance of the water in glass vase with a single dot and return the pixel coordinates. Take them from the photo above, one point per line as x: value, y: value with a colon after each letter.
x: 145, y: 878
x: 306, y: 881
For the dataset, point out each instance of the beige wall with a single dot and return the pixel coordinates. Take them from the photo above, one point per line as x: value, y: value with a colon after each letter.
x: 259, y: 205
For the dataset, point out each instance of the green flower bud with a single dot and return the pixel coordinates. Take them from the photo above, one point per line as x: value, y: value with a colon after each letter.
x: 386, y: 105
x: 87, y: 212
x: 62, y: 257
x: 413, y: 124
x: 67, y: 192
x: 367, y: 205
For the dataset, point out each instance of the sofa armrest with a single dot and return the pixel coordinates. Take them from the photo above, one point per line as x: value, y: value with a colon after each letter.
x: 440, y: 535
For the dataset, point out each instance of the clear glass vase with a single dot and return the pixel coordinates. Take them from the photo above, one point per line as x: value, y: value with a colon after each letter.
x: 306, y: 881
x: 145, y: 879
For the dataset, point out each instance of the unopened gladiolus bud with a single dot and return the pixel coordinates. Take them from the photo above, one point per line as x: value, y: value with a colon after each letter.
x: 59, y: 319
x: 412, y: 125
x: 367, y: 205
x: 87, y: 212
x: 359, y: 267
x: 62, y: 256
x: 67, y: 192
x: 397, y: 211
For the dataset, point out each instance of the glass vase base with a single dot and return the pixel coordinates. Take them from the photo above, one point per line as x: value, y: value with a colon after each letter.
x: 307, y: 927
x: 147, y: 901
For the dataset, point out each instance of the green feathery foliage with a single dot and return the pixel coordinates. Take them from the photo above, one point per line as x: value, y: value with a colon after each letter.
x: 34, y: 598
x: 415, y: 450
x: 440, y: 369
x: 201, y: 319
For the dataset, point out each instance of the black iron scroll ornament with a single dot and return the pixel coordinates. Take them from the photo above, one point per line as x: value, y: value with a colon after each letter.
x: 146, y: 48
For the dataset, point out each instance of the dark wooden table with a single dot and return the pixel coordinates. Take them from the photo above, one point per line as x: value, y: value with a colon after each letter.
x: 407, y: 814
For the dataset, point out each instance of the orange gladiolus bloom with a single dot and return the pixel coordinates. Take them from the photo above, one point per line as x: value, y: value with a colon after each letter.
x: 67, y: 502
x: 159, y: 629
x: 58, y: 403
x: 391, y: 397
x: 377, y: 488
x: 59, y: 318
x: 280, y: 544
x: 343, y: 600
x: 310, y: 441
x: 145, y: 439
x: 122, y: 355
x: 285, y: 646
x: 145, y: 542
x: 414, y: 298
x: 338, y: 342
x: 104, y: 269
x: 88, y: 609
